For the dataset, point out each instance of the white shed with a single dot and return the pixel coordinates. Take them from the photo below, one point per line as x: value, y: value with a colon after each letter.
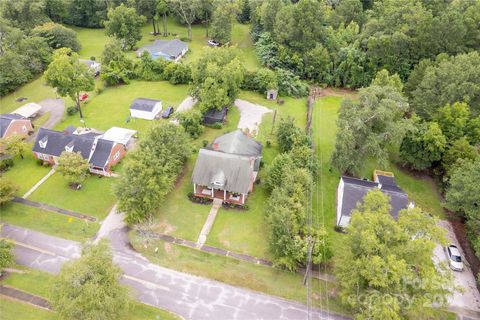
x: 28, y: 110
x: 144, y: 108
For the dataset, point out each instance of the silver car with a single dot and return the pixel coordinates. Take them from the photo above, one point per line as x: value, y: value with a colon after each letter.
x: 454, y: 257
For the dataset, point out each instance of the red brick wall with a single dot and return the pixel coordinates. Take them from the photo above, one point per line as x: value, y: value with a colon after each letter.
x: 16, y: 127
x: 111, y: 161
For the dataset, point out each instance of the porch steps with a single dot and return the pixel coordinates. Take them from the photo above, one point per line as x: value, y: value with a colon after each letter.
x: 202, y: 238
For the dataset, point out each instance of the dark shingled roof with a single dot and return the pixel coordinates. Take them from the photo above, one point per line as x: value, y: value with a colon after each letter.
x: 11, y: 116
x: 355, y: 189
x: 232, y: 172
x: 144, y: 104
x: 214, y: 116
x: 102, y: 151
x: 6, y: 119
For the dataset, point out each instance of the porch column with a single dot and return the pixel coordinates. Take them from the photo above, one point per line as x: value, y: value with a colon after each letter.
x: 212, y: 193
x: 194, y: 188
x: 243, y: 198
x: 224, y: 194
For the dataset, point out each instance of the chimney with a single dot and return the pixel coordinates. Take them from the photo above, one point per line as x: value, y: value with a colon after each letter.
x: 215, y: 146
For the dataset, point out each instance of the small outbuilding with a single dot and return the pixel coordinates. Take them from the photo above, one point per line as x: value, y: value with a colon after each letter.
x: 215, y: 116
x: 120, y: 135
x: 144, y: 108
x: 14, y: 124
x: 92, y: 65
x: 29, y: 110
x: 272, y: 94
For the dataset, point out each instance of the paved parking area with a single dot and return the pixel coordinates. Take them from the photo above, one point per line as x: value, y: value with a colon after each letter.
x: 470, y: 298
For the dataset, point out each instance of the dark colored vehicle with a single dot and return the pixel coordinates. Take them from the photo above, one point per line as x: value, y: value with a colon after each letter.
x: 167, y: 112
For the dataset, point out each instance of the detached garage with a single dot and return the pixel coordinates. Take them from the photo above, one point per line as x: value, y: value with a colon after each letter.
x: 144, y: 108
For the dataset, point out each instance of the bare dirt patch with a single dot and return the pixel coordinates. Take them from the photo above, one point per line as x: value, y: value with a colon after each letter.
x: 336, y: 92
x: 164, y: 227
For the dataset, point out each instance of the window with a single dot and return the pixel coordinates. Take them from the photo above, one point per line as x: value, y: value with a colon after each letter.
x: 116, y: 155
x: 24, y: 128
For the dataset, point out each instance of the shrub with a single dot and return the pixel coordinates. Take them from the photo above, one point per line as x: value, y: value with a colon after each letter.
x: 269, y: 143
x: 191, y: 121
x: 58, y: 36
x: 205, y: 143
x: 177, y: 73
x: 72, y: 110
x: 216, y: 125
x: 200, y: 200
x: 6, y: 164
x: 7, y: 190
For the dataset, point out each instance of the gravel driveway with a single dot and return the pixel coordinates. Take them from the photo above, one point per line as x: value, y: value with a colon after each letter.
x: 186, y: 104
x: 470, y: 299
x: 56, y: 107
x: 250, y: 115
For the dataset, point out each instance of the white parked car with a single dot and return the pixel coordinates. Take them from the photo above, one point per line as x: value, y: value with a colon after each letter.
x: 454, y: 257
x: 213, y: 43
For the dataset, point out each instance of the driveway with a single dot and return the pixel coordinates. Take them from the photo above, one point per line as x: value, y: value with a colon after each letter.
x: 186, y: 295
x: 56, y: 107
x: 250, y: 115
x: 186, y: 104
x: 470, y: 298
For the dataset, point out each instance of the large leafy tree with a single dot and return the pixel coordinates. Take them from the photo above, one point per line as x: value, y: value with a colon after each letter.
x: 125, y: 24
x: 89, y: 288
x: 58, y: 36
x: 25, y: 14
x: 463, y: 196
x: 289, y: 135
x: 186, y: 10
x: 87, y: 13
x: 72, y: 167
x: 150, y: 171
x: 13, y: 145
x: 456, y: 122
x: 450, y: 80
x: 6, y: 254
x: 69, y: 76
x: 216, y: 78
x: 366, y: 128
x: 381, y: 258
x: 423, y: 145
x: 458, y: 151
x: 7, y: 190
x: 223, y: 18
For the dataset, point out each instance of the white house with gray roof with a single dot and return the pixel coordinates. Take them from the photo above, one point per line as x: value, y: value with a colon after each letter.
x: 351, y: 191
x: 144, y: 108
x: 227, y: 168
x: 171, y: 50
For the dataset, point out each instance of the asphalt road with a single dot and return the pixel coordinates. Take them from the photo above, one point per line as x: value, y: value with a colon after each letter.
x: 186, y: 295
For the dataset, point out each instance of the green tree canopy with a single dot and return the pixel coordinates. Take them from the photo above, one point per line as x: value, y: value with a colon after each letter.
x: 7, y: 256
x: 89, y: 288
x: 367, y: 127
x: 58, y: 36
x: 125, y: 24
x: 385, y: 268
x: 223, y: 18
x: 69, y: 76
x: 7, y: 190
x: 73, y: 167
x: 13, y: 145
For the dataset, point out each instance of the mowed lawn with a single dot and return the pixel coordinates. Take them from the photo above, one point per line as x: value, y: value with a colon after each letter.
x: 93, y: 41
x: 52, y: 223
x: 12, y: 310
x: 419, y: 189
x: 26, y: 172
x: 111, y: 107
x: 95, y: 198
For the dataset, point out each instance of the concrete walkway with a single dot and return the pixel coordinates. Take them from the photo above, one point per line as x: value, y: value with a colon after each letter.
x: 113, y: 221
x: 250, y: 115
x: 38, y: 184
x: 48, y: 207
x: 186, y: 104
x: 24, y: 297
x: 217, y: 203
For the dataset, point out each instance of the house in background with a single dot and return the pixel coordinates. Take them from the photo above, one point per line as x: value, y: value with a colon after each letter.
x: 215, y: 116
x: 92, y: 65
x: 14, y: 124
x: 227, y: 168
x: 144, y: 108
x: 171, y: 50
x: 29, y: 110
x: 351, y: 191
x: 101, y: 154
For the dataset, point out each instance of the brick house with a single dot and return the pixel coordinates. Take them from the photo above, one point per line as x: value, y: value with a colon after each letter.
x: 11, y: 124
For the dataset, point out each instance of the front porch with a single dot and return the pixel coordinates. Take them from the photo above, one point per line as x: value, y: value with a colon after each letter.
x: 212, y: 193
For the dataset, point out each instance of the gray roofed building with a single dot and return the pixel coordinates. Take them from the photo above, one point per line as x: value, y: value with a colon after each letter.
x: 224, y: 171
x: 55, y: 142
x: 351, y: 192
x: 167, y: 49
x: 14, y: 124
x: 237, y: 142
x: 101, y: 153
x: 144, y: 104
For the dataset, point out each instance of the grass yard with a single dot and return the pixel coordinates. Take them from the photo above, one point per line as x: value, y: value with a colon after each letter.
x: 93, y: 41
x: 43, y: 282
x: 111, y: 107
x: 51, y: 223
x: 238, y: 273
x: 26, y: 172
x: 14, y: 310
x: 95, y: 198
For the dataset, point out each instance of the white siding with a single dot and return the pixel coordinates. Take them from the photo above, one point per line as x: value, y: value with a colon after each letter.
x: 340, y: 188
x: 145, y: 114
